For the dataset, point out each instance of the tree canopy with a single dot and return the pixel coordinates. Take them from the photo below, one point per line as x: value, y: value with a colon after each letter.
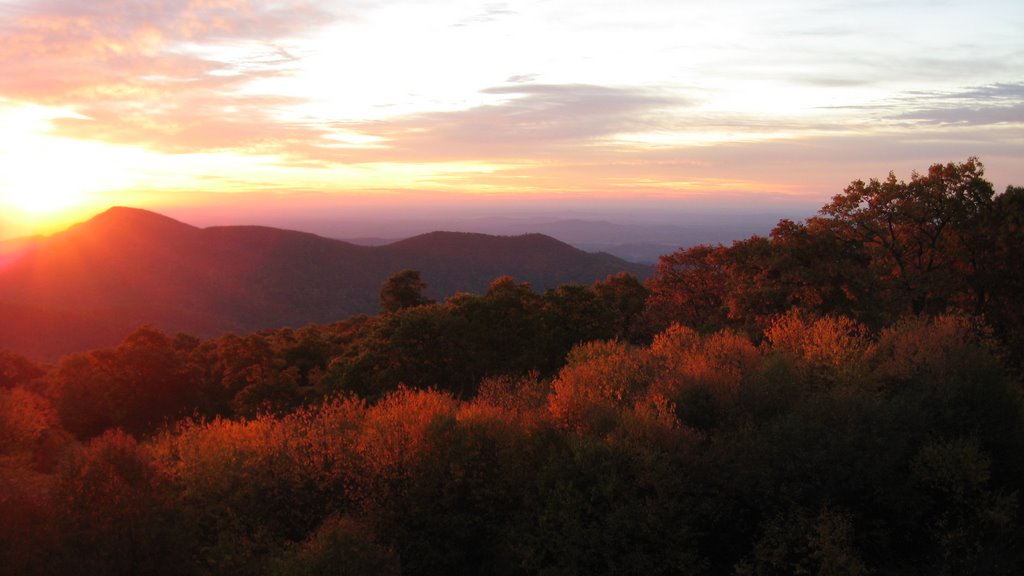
x: 403, y: 289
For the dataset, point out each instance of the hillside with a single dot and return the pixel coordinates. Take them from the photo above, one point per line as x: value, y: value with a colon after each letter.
x: 91, y: 284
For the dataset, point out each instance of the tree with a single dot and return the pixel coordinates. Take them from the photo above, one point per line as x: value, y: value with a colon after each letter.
x: 403, y: 290
x: 689, y: 287
x: 504, y: 328
x: 1001, y: 278
x: 16, y: 370
x: 922, y: 234
x: 114, y: 514
x: 624, y: 297
x: 421, y: 346
x: 820, y: 270
x: 139, y: 385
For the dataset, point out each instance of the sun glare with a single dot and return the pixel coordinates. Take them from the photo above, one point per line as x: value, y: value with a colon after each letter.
x: 45, y: 179
x: 41, y: 184
x: 46, y: 202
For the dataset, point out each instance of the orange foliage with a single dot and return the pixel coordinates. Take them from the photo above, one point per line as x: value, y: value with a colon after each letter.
x: 24, y: 419
x: 396, y: 430
x: 831, y: 341
x: 212, y: 459
x: 521, y: 399
x: 717, y: 362
x: 599, y: 380
x: 915, y: 346
x: 312, y: 445
x: 324, y: 439
x: 652, y: 427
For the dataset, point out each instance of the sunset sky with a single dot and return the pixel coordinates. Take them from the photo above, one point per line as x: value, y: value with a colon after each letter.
x: 245, y: 110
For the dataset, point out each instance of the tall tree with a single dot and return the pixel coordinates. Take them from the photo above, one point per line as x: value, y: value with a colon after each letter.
x: 921, y: 234
x: 689, y: 287
x: 403, y: 290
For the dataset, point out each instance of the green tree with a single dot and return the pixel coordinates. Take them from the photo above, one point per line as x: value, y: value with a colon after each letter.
x: 624, y: 297
x: 1001, y: 280
x: 403, y: 290
x: 340, y: 547
x: 141, y: 384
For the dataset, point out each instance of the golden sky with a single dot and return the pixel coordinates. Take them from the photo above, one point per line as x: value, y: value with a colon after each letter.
x: 437, y: 104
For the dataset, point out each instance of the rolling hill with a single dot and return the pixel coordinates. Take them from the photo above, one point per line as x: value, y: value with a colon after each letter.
x: 97, y: 281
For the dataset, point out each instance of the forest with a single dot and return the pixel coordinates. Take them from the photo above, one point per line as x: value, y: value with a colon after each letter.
x: 841, y: 397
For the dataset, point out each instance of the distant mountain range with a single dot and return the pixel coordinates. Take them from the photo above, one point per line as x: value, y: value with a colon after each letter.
x: 94, y: 283
x: 641, y: 242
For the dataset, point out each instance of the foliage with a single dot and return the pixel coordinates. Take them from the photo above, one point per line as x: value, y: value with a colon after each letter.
x: 16, y: 370
x: 113, y: 515
x: 340, y: 547
x: 143, y: 383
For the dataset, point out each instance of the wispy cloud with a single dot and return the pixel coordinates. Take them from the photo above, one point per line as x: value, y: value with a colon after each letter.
x: 993, y: 104
x: 532, y: 121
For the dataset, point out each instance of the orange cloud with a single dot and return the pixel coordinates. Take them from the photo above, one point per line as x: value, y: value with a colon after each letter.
x: 137, y: 72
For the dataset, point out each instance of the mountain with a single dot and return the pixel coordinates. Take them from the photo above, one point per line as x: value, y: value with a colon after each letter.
x: 95, y: 282
x: 642, y: 240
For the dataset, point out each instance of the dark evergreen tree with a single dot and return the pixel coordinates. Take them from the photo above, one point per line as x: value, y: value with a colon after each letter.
x: 403, y: 290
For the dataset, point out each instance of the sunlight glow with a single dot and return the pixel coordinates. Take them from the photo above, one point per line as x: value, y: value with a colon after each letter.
x: 46, y: 175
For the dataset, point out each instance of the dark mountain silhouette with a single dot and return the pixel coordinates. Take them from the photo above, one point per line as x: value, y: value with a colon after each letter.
x: 640, y: 241
x: 94, y: 283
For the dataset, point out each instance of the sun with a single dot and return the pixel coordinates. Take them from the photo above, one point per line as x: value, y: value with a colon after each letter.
x: 43, y: 196
x: 47, y: 182
x: 42, y: 202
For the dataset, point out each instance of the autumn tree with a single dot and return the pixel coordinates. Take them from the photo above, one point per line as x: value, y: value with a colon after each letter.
x: 818, y: 269
x: 882, y: 248
x: 921, y: 234
x: 689, y: 286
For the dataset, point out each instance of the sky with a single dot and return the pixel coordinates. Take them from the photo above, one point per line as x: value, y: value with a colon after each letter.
x: 232, y: 111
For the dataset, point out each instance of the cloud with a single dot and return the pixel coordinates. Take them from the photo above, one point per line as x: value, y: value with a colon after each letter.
x: 144, y: 72
x: 570, y: 138
x: 530, y: 121
x: 1001, y: 103
x: 59, y: 47
x: 491, y: 12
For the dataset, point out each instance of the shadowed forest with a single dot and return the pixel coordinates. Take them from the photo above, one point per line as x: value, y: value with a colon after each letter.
x: 842, y: 397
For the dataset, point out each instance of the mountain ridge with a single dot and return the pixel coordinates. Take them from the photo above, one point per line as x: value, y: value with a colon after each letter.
x: 128, y: 266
